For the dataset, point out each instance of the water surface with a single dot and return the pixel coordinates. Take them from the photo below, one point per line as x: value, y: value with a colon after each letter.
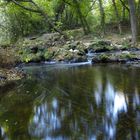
x: 69, y: 102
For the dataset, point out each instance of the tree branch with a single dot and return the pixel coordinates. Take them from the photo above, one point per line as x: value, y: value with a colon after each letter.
x: 24, y: 7
x: 123, y: 3
x: 39, y: 11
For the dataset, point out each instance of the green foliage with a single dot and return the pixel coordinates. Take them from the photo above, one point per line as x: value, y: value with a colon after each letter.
x: 103, y: 57
x: 68, y: 14
x: 48, y: 55
x: 128, y: 56
x: 31, y: 57
x: 23, y: 23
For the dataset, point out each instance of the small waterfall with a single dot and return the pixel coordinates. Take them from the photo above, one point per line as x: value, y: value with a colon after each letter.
x: 90, y: 55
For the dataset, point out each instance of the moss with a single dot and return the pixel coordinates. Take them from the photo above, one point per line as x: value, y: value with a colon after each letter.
x: 77, y: 33
x: 31, y: 57
x: 125, y: 46
x: 104, y: 57
x: 69, y: 56
x: 30, y: 43
x: 128, y: 56
x: 48, y: 55
x: 101, y: 46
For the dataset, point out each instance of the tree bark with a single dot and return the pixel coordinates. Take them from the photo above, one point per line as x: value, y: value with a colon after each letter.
x: 124, y: 5
x: 117, y: 16
x: 59, y: 10
x: 138, y: 17
x: 84, y: 23
x: 123, y: 13
x: 133, y: 20
x: 102, y: 13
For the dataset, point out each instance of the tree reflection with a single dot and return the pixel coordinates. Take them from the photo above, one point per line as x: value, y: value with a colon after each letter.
x: 86, y: 110
x: 101, y: 102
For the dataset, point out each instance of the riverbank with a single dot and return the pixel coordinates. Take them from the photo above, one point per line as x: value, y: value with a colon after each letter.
x: 9, y: 75
x: 54, y: 48
x: 8, y: 61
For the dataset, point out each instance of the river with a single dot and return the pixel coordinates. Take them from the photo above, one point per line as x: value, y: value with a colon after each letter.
x: 72, y: 102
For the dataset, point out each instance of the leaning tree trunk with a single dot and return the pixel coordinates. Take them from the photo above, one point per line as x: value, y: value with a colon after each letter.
x: 59, y: 9
x: 102, y: 15
x: 133, y: 20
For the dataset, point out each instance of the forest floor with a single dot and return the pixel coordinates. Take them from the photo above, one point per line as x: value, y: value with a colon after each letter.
x: 111, y: 48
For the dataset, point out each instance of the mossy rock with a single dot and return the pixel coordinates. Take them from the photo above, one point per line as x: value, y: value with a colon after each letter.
x: 62, y: 55
x: 48, y: 55
x: 26, y: 58
x: 101, y: 46
x: 128, y: 56
x: 104, y: 57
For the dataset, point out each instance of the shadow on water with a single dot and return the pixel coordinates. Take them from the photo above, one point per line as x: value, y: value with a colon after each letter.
x: 73, y: 103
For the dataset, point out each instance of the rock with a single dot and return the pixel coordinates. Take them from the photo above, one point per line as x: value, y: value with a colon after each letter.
x: 116, y: 57
x: 125, y: 52
x: 71, y: 50
x: 101, y: 46
x: 127, y: 39
x: 48, y: 55
x: 30, y: 57
x: 118, y: 46
x: 75, y: 51
x: 104, y: 42
x: 78, y: 59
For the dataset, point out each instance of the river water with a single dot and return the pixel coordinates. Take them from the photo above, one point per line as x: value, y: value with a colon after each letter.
x: 72, y: 102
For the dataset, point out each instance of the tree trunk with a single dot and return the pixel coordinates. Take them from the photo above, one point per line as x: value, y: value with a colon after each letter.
x: 59, y: 10
x: 117, y: 16
x: 102, y: 13
x: 123, y: 13
x: 84, y: 23
x: 138, y: 18
x: 133, y: 20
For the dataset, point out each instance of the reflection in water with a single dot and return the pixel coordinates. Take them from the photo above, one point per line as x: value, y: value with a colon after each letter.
x: 115, y: 104
x: 2, y: 134
x: 45, y: 122
x: 76, y: 103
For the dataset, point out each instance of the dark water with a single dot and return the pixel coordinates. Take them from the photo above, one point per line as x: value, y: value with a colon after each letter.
x: 72, y: 103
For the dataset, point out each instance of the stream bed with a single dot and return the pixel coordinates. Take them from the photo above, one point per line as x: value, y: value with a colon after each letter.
x: 72, y: 102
